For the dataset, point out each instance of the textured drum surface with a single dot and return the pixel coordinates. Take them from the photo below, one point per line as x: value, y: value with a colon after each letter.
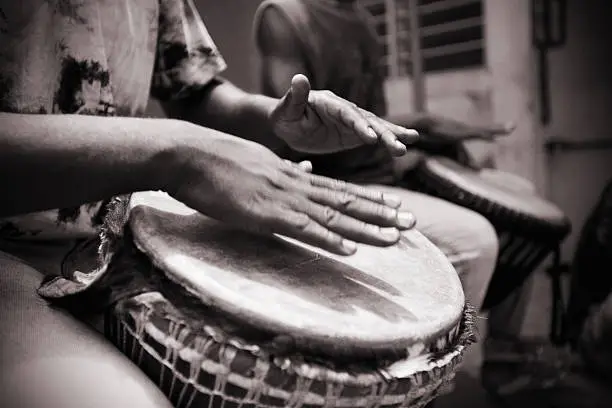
x: 379, y: 298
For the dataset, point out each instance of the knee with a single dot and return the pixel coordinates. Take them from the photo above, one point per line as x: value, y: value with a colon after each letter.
x: 71, y: 382
x: 50, y: 359
x: 478, y: 238
x: 483, y: 235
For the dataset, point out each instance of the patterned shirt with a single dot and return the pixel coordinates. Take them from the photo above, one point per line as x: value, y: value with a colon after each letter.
x: 96, y: 57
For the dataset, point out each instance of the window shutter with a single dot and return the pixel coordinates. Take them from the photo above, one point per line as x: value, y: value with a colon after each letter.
x: 451, y: 33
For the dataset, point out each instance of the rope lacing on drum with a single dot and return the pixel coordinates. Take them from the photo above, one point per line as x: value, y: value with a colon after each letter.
x: 260, y: 371
x: 302, y: 386
x: 226, y: 356
x: 201, y: 347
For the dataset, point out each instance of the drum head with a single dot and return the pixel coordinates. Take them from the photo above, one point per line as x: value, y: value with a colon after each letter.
x: 379, y: 298
x: 501, y: 188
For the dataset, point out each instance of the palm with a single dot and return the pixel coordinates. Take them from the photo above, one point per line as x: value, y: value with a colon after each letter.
x: 315, y: 132
x: 320, y: 122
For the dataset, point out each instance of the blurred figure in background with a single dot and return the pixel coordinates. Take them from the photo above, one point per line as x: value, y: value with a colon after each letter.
x: 333, y: 44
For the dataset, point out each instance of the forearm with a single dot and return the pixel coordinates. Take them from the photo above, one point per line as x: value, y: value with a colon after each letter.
x: 413, y: 120
x: 55, y: 161
x: 226, y: 108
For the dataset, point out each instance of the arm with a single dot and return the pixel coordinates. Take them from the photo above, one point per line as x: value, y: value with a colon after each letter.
x: 225, y: 107
x: 57, y: 161
x: 50, y: 161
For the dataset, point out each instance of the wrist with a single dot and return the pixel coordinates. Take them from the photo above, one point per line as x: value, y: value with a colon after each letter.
x: 175, y: 139
x: 263, y: 106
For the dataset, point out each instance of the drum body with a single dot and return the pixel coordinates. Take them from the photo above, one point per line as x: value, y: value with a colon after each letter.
x: 529, y: 228
x: 222, y: 318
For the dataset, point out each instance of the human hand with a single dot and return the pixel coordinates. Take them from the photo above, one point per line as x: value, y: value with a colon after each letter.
x: 438, y: 130
x: 321, y: 122
x: 245, y: 184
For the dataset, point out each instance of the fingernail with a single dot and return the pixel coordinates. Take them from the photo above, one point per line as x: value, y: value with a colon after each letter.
x: 406, y: 220
x: 391, y: 233
x: 392, y: 200
x: 400, y: 146
x: 349, y: 246
x: 372, y: 134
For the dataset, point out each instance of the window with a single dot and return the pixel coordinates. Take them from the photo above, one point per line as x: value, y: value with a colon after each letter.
x: 451, y: 32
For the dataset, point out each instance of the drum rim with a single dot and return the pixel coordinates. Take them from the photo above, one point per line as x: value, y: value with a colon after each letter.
x: 502, y: 215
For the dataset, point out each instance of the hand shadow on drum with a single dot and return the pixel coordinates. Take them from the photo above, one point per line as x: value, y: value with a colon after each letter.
x: 285, y: 266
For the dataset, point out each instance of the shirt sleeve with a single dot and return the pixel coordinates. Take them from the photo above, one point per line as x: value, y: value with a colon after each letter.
x: 187, y: 59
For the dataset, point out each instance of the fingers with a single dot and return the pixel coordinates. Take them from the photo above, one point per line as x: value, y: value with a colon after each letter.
x: 362, y: 209
x: 404, y: 135
x: 368, y: 127
x: 305, y: 165
x: 299, y: 226
x: 347, y: 117
x: 484, y: 132
x: 348, y: 227
x: 340, y: 186
x: 392, y: 136
x: 501, y: 130
x: 295, y: 100
x: 365, y: 204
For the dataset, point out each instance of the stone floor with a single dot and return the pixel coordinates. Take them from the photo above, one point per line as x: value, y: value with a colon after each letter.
x: 583, y: 393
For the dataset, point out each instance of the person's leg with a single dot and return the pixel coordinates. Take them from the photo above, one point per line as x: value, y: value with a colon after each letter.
x: 48, y: 359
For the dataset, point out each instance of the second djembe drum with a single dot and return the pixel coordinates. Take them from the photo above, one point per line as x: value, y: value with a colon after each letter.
x: 530, y: 228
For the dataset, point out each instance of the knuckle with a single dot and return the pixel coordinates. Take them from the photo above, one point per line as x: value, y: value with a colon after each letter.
x: 339, y: 185
x: 384, y: 212
x: 346, y: 200
x: 332, y: 238
x: 299, y: 221
x: 331, y: 216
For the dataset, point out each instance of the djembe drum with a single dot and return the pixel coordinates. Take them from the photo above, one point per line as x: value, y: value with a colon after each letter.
x: 529, y: 228
x: 223, y: 318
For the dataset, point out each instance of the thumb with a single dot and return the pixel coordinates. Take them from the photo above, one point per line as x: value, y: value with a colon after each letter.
x: 293, y: 104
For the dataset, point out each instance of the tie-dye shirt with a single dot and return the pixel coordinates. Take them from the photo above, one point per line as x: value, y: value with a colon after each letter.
x: 96, y: 57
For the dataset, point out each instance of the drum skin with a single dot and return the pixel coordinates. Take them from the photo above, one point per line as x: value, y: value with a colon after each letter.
x: 232, y: 319
x: 409, y: 291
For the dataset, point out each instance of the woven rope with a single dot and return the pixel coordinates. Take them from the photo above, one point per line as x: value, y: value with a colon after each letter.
x: 195, y: 366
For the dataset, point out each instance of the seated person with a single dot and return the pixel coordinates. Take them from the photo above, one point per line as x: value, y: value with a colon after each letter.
x: 333, y: 44
x: 74, y: 78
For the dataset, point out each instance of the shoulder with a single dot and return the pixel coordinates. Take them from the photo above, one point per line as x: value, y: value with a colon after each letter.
x: 274, y: 30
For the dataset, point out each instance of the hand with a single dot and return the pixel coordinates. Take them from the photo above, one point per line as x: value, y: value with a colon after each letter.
x: 320, y: 122
x: 244, y: 184
x: 439, y: 130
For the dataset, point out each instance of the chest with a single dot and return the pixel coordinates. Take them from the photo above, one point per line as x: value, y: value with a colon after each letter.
x: 348, y: 55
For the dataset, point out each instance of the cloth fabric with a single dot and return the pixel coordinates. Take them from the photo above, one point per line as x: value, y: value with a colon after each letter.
x: 49, y: 359
x: 98, y: 57
x: 94, y: 57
